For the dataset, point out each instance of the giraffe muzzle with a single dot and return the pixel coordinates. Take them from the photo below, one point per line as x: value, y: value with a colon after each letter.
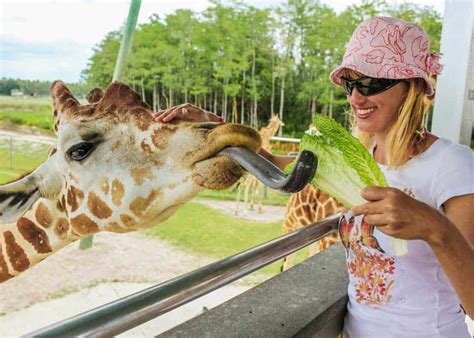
x: 267, y: 173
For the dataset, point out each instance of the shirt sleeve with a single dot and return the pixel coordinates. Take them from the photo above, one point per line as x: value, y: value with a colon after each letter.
x: 454, y: 175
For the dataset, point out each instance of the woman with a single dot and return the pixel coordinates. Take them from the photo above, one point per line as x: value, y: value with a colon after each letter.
x: 385, y: 73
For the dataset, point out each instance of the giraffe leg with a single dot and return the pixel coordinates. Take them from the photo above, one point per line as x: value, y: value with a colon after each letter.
x: 237, y: 200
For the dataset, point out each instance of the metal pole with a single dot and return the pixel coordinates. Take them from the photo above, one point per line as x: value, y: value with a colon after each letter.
x: 126, y: 313
x: 125, y: 47
x: 127, y: 38
x: 11, y: 152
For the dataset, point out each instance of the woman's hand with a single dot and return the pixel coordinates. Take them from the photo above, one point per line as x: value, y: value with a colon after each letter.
x: 187, y: 112
x: 397, y: 214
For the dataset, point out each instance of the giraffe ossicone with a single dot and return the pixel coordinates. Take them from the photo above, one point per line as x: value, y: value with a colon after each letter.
x: 113, y: 169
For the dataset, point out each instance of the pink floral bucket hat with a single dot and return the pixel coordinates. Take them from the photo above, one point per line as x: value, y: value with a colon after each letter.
x: 389, y: 48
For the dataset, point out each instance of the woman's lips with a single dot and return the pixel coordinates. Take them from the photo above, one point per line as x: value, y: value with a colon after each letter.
x: 364, y: 113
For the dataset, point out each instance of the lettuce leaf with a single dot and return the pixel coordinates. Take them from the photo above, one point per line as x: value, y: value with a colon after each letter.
x: 345, y: 166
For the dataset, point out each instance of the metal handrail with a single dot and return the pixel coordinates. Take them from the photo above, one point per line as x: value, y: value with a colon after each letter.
x: 133, y: 310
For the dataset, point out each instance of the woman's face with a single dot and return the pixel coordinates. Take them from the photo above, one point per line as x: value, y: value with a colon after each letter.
x: 376, y: 113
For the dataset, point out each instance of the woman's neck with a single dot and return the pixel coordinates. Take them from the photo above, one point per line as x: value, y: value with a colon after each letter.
x: 379, y: 149
x: 420, y: 147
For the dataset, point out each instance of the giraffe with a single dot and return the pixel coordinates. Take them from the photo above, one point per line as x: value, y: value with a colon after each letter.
x: 304, y: 208
x: 250, y: 186
x: 113, y: 169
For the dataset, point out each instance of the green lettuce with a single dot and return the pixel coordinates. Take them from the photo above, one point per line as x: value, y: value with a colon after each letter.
x: 345, y: 166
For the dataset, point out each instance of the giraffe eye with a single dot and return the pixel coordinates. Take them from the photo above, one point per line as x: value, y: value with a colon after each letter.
x: 81, y: 151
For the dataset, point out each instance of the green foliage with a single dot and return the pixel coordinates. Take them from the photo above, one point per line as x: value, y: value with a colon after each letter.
x: 259, y: 59
x: 345, y: 166
x: 35, y: 87
x: 26, y: 111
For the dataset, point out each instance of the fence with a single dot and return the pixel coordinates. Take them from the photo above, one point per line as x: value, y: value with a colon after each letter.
x: 21, y: 153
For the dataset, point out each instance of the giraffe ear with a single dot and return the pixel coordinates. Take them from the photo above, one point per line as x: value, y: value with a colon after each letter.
x: 18, y: 196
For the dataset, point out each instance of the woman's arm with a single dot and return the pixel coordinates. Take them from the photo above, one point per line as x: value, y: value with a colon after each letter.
x: 450, y: 237
x: 454, y: 248
x: 280, y: 161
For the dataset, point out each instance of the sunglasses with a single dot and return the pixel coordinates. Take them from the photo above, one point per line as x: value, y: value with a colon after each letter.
x: 368, y: 86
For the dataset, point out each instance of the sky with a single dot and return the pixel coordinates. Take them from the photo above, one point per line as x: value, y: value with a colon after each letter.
x: 53, y: 39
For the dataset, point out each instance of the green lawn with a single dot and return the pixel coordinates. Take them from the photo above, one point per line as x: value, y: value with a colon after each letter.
x: 25, y: 157
x: 272, y: 197
x: 26, y: 111
x: 203, y: 230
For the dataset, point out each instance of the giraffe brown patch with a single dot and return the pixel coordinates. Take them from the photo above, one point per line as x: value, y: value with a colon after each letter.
x: 319, y: 213
x: 4, y: 275
x: 43, y: 215
x: 140, y: 204
x: 74, y: 197
x: 161, y: 136
x: 299, y: 212
x: 16, y: 254
x: 61, y: 228
x: 34, y: 235
x: 127, y: 220
x: 146, y: 147
x: 59, y: 206
x: 104, y: 185
x: 63, y: 203
x: 140, y: 174
x: 83, y: 225
x: 97, y: 206
x: 143, y: 119
x: 118, y: 190
x: 115, y: 227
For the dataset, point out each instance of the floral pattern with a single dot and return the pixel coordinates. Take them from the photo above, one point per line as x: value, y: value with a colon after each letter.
x: 371, y: 271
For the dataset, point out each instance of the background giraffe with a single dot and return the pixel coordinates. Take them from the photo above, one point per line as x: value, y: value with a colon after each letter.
x: 251, y: 187
x: 114, y: 169
x: 304, y: 208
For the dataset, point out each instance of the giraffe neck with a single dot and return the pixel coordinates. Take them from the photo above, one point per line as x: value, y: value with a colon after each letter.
x: 267, y: 133
x: 41, y: 231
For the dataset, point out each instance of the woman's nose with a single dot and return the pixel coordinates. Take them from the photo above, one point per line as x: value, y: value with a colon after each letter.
x: 356, y: 98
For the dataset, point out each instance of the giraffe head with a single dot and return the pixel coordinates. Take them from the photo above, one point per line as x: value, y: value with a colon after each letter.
x: 115, y: 169
x: 275, y: 120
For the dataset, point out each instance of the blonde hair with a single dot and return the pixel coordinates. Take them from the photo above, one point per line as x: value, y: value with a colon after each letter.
x: 405, y: 133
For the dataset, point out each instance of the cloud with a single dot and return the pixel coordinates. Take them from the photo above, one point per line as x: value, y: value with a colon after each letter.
x: 43, y: 60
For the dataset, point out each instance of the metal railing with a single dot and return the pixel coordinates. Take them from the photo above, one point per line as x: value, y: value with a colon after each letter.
x: 133, y: 310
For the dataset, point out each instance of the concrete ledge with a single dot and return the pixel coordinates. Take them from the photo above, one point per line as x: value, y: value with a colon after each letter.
x: 308, y: 300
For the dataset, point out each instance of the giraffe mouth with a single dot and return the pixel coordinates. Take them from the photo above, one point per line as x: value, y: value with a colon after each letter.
x: 267, y: 173
x: 233, y: 149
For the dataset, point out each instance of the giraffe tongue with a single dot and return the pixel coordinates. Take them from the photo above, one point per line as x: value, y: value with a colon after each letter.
x: 269, y: 174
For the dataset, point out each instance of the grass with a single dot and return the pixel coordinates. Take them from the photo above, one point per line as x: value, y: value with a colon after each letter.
x: 25, y: 157
x: 199, y: 229
x: 26, y: 111
x: 272, y: 197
